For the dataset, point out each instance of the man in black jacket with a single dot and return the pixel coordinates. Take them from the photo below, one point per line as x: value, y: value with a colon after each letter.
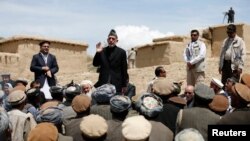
x: 44, y: 66
x: 230, y: 14
x: 112, y: 61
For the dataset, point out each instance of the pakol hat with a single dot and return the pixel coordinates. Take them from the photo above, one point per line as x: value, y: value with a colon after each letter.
x: 18, y: 87
x: 56, y: 90
x: 51, y: 114
x: 104, y: 93
x: 93, y: 126
x: 16, y: 97
x: 33, y: 92
x: 217, y: 82
x: 72, y: 91
x: 162, y: 86
x: 149, y: 105
x: 120, y: 103
x: 81, y: 103
x: 22, y: 80
x: 219, y: 104
x: 203, y: 92
x: 242, y: 90
x: 136, y: 128
x: 43, y: 132
x: 52, y: 103
x: 112, y: 33
x: 245, y: 79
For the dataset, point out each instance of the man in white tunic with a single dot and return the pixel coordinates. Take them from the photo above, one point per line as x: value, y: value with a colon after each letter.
x: 194, y: 55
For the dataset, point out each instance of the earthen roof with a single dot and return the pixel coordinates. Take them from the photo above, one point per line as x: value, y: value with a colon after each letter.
x: 40, y: 38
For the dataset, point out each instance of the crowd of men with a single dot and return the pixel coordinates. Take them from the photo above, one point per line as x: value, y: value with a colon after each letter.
x: 106, y: 111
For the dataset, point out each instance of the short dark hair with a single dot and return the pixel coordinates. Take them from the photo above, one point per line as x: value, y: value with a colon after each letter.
x: 158, y: 70
x: 43, y: 42
x: 231, y: 28
x: 195, y: 30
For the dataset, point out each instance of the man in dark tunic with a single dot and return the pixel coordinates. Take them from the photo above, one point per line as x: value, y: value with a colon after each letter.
x: 112, y: 61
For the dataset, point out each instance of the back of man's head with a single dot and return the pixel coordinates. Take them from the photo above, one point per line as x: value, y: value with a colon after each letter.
x: 158, y: 70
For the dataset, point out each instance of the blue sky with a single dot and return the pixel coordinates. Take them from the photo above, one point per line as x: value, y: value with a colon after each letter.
x: 136, y: 21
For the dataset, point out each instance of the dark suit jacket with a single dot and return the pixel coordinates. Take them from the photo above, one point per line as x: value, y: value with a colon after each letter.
x: 113, y: 67
x: 36, y: 66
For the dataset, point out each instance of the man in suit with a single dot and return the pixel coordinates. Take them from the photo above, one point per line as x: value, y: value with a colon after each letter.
x: 112, y: 61
x: 44, y: 66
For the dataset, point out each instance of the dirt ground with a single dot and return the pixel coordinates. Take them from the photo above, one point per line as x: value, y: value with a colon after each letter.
x: 141, y: 76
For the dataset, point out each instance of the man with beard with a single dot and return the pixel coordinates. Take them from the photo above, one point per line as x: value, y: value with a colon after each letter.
x: 112, y: 61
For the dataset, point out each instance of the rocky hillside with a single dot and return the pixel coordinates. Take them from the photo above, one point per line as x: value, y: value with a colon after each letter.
x: 141, y: 76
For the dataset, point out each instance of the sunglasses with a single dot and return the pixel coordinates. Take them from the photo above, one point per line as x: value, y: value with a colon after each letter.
x: 194, y: 34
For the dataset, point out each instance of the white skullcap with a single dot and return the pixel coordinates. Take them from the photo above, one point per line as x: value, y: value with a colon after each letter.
x: 189, y: 134
x: 217, y: 82
x: 84, y: 82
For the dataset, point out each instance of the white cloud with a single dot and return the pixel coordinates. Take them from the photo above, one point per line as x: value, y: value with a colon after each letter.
x: 131, y: 36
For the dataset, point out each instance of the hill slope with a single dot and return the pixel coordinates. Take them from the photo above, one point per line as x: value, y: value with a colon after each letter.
x: 141, y: 76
